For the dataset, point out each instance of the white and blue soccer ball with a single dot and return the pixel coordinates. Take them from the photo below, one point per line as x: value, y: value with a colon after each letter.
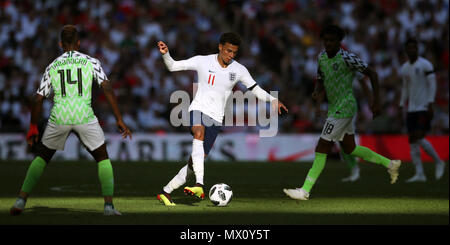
x: 220, y: 194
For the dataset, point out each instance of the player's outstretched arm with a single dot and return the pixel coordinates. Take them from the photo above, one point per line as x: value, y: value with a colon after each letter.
x: 36, y: 109
x: 112, y: 101
x: 373, y: 76
x: 173, y: 65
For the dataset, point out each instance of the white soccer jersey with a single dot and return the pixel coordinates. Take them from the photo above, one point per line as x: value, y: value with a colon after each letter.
x: 419, y: 84
x: 215, y: 83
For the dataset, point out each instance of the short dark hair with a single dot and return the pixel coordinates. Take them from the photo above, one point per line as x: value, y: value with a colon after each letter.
x: 411, y: 41
x: 334, y: 30
x: 69, y: 35
x: 230, y: 37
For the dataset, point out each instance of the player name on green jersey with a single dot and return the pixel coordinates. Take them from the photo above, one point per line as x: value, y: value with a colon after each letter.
x: 70, y: 61
x: 71, y: 76
x: 337, y: 74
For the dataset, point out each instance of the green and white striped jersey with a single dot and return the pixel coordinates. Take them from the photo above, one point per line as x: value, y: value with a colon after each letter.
x: 71, y: 76
x: 337, y: 75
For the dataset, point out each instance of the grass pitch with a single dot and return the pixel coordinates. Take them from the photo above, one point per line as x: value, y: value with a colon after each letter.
x: 68, y: 193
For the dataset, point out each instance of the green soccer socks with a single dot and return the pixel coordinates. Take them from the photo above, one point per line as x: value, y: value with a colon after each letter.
x: 34, y: 172
x: 105, y: 174
x: 349, y: 159
x: 314, y: 171
x: 370, y: 156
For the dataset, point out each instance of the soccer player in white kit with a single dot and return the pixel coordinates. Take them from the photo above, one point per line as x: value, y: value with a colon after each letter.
x: 217, y: 75
x: 419, y: 90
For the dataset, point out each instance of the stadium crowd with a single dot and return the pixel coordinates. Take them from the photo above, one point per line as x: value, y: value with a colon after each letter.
x: 280, y: 47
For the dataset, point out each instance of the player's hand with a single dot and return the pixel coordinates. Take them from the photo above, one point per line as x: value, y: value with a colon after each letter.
x: 163, y: 47
x: 123, y: 129
x: 32, y: 135
x: 278, y: 105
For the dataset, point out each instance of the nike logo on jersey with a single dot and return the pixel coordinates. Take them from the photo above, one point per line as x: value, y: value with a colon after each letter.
x: 211, y: 71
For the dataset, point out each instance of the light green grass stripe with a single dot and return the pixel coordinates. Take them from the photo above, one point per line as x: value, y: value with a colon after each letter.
x: 247, y: 205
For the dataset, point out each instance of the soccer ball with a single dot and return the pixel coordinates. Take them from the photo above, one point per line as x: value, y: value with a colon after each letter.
x: 220, y: 194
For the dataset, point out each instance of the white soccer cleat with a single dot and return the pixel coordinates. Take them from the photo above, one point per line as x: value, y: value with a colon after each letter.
x: 440, y: 167
x: 354, y: 176
x: 18, y: 206
x: 417, y: 178
x: 297, y: 193
x: 393, y: 170
x: 110, y: 211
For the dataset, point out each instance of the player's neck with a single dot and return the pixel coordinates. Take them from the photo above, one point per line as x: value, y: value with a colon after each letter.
x: 71, y: 48
x: 221, y: 62
x: 331, y: 54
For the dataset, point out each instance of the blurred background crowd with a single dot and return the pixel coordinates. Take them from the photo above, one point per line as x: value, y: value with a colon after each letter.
x: 280, y: 48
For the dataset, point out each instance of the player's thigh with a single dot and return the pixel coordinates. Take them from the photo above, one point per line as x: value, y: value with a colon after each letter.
x: 55, y: 136
x: 90, y: 134
x: 197, y: 127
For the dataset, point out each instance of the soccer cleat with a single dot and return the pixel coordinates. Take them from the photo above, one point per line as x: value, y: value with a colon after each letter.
x: 354, y: 176
x: 417, y: 178
x: 111, y: 211
x: 18, y: 206
x: 165, y: 199
x: 440, y: 167
x: 297, y: 193
x: 195, y: 191
x: 393, y: 170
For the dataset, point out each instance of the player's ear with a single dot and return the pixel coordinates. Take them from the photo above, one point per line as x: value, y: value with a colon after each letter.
x: 60, y: 44
x: 220, y: 47
x: 78, y: 43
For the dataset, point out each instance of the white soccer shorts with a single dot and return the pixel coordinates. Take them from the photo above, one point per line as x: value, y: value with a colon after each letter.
x: 90, y: 134
x: 336, y: 128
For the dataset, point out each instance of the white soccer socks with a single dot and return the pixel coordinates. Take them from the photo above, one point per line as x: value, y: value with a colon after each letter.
x: 428, y: 148
x: 198, y: 159
x: 179, y: 179
x: 417, y: 161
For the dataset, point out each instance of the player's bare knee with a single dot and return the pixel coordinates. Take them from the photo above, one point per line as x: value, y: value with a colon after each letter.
x: 198, y: 132
x: 44, y: 152
x: 348, y: 149
x: 324, y: 146
x: 100, y: 153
